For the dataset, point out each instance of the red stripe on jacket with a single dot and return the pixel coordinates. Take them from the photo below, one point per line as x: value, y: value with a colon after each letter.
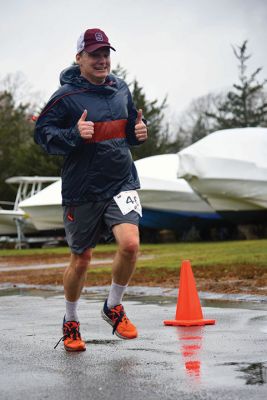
x: 108, y: 130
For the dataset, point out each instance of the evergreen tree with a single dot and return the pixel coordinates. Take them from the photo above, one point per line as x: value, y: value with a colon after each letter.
x: 158, y: 138
x: 19, y: 155
x: 246, y: 104
x: 158, y: 141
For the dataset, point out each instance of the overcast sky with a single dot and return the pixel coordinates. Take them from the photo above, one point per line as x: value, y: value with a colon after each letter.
x: 179, y: 48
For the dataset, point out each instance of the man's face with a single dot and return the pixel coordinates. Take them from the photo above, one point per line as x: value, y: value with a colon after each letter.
x: 95, y: 66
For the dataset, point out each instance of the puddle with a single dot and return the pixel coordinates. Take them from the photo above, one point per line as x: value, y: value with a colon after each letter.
x: 253, y: 373
x: 142, y: 294
x: 14, y: 290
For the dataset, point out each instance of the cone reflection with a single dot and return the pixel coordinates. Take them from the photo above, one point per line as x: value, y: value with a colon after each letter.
x: 193, y: 368
x: 190, y: 340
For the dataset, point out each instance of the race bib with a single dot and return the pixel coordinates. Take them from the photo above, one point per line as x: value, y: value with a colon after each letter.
x: 128, y: 201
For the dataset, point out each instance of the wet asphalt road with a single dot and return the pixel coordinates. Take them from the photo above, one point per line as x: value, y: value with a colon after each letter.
x: 224, y: 361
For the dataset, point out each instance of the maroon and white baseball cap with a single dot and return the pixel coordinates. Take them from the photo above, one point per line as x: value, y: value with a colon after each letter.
x: 92, y: 39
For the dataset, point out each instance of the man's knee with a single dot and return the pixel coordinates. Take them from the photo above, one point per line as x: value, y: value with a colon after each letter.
x: 130, y: 247
x: 81, y: 261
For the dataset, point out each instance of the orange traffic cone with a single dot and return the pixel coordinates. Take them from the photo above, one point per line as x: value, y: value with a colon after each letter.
x: 188, y: 310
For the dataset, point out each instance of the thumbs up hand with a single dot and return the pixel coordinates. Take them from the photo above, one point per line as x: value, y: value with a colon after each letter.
x: 86, y: 128
x: 140, y: 127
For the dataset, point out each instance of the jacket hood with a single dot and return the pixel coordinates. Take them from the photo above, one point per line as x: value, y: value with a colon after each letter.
x: 72, y: 76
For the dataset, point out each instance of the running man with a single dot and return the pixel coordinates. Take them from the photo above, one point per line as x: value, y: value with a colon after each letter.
x: 91, y: 121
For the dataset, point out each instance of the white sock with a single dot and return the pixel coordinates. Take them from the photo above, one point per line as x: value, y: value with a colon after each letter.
x: 71, y: 311
x: 115, y: 294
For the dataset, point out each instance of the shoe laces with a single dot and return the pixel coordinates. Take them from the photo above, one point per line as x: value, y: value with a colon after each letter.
x: 118, y: 315
x: 70, y: 330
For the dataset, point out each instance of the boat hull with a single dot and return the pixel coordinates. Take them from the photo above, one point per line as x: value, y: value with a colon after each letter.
x: 46, y: 217
x: 8, y: 222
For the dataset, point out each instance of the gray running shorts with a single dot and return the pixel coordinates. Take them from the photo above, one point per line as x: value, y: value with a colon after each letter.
x: 85, y: 223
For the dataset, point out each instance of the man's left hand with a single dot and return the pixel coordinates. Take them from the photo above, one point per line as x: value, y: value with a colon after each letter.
x: 140, y: 127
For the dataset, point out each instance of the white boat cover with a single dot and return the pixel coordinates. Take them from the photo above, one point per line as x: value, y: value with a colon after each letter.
x: 162, y: 190
x: 228, y: 168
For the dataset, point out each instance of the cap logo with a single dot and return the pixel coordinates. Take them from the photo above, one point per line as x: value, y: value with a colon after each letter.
x: 99, y: 37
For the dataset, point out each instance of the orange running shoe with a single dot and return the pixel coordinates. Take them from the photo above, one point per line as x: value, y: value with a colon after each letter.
x: 117, y: 318
x: 72, y: 337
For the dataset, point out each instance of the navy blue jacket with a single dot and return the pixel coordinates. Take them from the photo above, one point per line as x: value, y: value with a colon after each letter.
x: 99, y: 168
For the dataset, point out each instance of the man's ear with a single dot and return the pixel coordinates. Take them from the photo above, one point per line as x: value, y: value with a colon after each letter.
x: 78, y: 58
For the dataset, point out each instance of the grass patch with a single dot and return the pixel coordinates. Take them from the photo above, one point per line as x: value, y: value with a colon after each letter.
x: 253, y: 252
x: 170, y: 255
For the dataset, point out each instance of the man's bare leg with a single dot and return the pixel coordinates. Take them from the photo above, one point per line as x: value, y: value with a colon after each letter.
x: 73, y: 280
x: 127, y: 238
